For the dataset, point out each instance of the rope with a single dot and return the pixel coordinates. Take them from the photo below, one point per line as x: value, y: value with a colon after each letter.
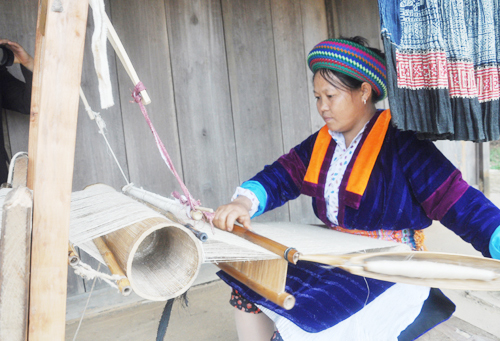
x: 85, y: 271
x: 86, y: 305
x: 187, y: 199
x: 95, y: 116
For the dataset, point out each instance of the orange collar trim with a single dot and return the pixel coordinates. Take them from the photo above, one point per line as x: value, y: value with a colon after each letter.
x: 318, y: 155
x: 368, y: 154
x: 364, y: 162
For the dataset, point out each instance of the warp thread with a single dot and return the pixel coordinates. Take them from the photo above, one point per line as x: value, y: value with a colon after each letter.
x: 95, y: 116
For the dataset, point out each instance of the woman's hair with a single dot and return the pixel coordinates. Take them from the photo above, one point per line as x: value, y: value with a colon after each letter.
x: 343, y: 81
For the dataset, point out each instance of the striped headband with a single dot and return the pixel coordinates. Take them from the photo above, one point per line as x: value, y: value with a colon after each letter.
x: 351, y: 59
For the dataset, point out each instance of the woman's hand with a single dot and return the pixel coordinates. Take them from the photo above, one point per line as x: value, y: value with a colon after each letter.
x: 20, y: 54
x: 227, y: 215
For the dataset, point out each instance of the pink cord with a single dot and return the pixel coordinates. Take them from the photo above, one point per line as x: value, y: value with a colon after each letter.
x: 187, y: 200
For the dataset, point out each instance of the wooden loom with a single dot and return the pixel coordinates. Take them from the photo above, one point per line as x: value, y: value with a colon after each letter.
x: 58, y: 59
x: 260, y: 261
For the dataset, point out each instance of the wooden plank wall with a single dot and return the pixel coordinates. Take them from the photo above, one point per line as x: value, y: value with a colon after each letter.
x: 229, y: 85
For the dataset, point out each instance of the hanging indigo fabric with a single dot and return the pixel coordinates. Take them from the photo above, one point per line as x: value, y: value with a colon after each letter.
x: 443, y: 60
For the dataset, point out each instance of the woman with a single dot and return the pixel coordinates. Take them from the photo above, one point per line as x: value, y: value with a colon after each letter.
x: 365, y: 177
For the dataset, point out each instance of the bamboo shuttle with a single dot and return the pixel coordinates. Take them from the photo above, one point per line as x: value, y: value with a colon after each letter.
x: 290, y: 254
x: 109, y: 258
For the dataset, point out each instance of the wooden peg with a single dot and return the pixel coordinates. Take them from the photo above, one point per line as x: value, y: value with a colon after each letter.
x: 196, y: 215
x: 73, y: 258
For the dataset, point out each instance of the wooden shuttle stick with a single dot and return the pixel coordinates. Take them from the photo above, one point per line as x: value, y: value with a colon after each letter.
x: 109, y: 258
x: 433, y: 269
x: 283, y: 299
x: 290, y: 254
x: 122, y: 54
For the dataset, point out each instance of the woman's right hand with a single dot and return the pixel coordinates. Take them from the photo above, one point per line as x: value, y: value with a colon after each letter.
x: 236, y: 211
x: 20, y: 54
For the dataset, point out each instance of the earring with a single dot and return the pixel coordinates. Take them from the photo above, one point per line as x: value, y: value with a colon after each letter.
x: 364, y: 101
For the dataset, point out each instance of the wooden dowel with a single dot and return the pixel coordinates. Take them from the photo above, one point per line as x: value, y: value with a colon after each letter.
x: 109, y: 258
x: 283, y: 299
x: 292, y: 255
x: 204, y: 209
x: 202, y: 236
x: 73, y: 258
x: 122, y: 54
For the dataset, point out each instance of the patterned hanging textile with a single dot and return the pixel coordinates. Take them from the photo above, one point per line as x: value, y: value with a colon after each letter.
x: 443, y: 60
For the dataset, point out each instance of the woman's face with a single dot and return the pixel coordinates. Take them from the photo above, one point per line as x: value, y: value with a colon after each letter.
x: 342, y: 109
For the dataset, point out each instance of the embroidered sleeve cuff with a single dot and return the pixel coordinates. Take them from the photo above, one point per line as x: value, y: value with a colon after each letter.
x: 254, y: 191
x: 250, y: 195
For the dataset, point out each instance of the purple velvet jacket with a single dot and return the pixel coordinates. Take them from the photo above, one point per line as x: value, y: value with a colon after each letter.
x: 411, y: 183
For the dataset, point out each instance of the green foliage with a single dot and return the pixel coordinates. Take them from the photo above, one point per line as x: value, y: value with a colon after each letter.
x: 495, y: 155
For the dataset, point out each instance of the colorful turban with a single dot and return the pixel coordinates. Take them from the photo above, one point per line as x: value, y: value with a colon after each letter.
x: 350, y: 59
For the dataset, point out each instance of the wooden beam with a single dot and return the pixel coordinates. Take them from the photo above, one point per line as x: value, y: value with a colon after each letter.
x: 35, y: 89
x: 57, y: 74
x: 15, y: 248
x: 42, y: 15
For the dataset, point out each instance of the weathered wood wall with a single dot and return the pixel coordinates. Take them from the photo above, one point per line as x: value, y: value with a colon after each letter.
x: 229, y: 85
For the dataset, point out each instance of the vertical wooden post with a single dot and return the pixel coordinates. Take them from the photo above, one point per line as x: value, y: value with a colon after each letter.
x: 15, y: 246
x: 57, y: 74
x: 35, y: 89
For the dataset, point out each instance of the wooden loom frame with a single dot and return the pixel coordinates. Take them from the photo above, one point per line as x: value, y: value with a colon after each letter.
x: 60, y: 37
